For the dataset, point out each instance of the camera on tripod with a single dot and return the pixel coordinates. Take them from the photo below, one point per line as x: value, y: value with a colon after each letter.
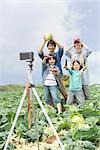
x: 28, y: 56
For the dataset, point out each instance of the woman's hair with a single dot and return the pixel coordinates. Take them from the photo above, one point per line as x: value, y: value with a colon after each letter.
x: 77, y: 42
x: 51, y: 42
x: 78, y: 63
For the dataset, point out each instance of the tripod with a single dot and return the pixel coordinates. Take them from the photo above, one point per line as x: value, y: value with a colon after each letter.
x: 30, y: 82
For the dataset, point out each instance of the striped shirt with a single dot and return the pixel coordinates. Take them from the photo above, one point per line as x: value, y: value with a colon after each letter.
x: 50, y: 80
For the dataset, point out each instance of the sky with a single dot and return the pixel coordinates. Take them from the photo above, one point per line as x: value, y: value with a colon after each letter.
x: 23, y: 24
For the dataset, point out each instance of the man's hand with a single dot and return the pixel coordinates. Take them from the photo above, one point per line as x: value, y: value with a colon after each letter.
x: 45, y: 40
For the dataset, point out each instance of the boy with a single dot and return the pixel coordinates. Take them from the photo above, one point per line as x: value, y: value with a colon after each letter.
x: 51, y: 45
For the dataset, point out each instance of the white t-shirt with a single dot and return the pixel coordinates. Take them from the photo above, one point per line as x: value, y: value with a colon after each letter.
x: 50, y: 80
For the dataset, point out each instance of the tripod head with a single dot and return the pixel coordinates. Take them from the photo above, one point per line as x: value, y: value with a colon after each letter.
x: 30, y: 64
x: 29, y: 57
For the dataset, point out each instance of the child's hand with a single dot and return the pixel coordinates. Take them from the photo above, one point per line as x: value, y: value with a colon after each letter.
x: 44, y: 60
x: 65, y: 66
x: 56, y: 73
x: 45, y: 57
x: 83, y: 69
x: 54, y: 70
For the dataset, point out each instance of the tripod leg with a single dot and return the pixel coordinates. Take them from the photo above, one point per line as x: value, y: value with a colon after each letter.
x: 43, y: 109
x: 29, y: 103
x: 15, y: 119
x: 47, y: 117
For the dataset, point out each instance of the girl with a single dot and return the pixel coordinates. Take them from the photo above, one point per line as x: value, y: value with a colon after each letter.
x: 50, y: 70
x: 75, y: 87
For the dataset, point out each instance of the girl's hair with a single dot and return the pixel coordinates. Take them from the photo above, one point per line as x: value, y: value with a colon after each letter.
x: 78, y: 63
x: 51, y: 42
x: 51, y: 56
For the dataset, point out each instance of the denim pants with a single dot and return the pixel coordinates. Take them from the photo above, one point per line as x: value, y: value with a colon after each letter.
x: 51, y: 94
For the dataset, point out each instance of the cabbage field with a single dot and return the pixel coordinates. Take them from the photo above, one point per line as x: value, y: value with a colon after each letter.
x: 78, y: 128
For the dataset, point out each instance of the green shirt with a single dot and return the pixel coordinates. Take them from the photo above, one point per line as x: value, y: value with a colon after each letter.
x: 75, y: 80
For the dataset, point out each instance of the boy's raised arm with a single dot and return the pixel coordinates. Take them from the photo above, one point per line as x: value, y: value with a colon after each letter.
x: 59, y: 46
x: 40, y: 49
